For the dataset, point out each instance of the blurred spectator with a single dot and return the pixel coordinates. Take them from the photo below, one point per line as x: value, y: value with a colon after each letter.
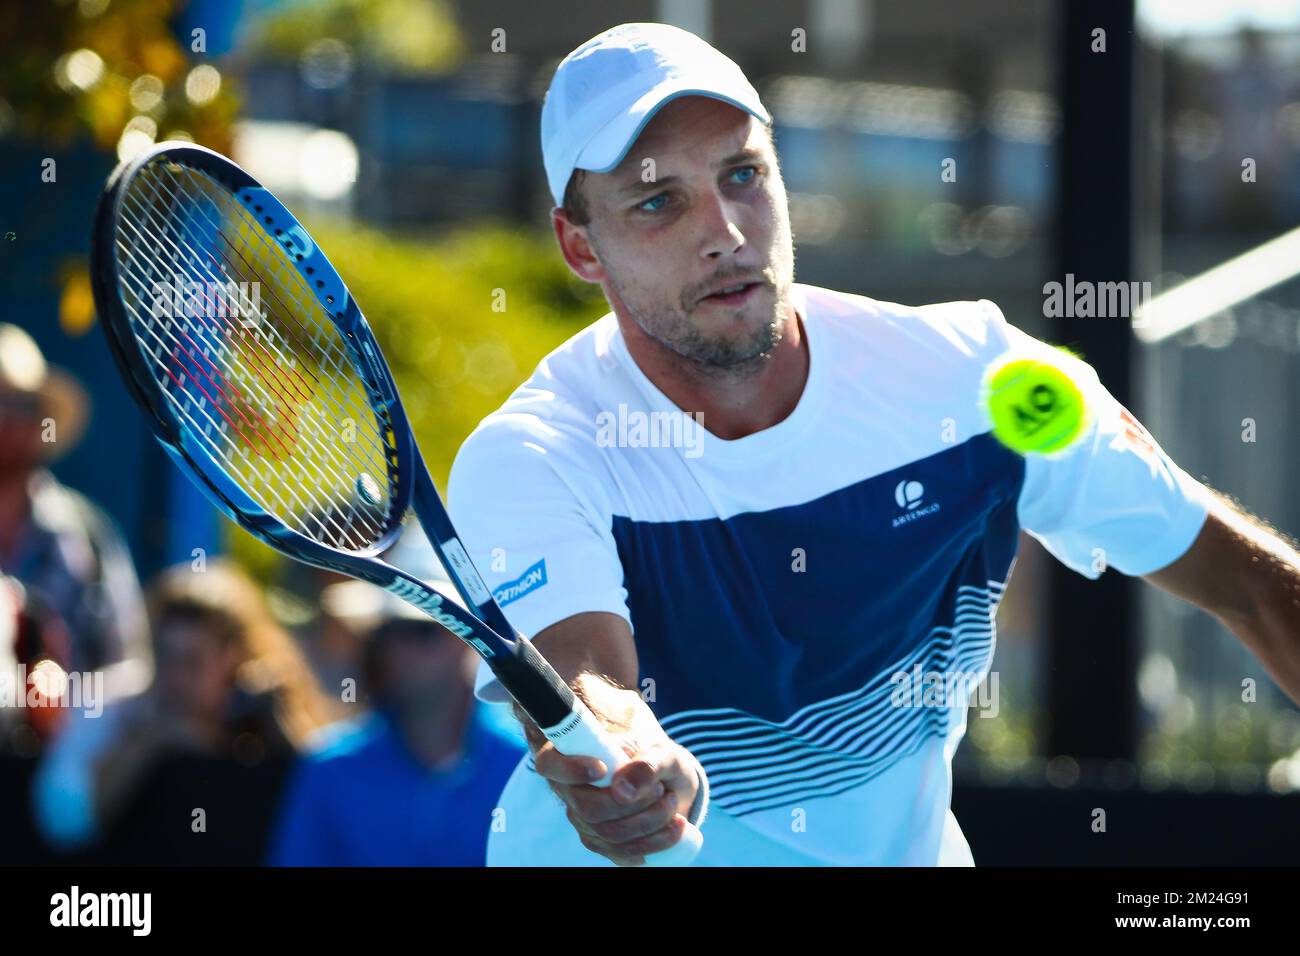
x: 51, y: 538
x: 34, y: 653
x: 331, y: 642
x: 415, y: 782
x: 229, y: 684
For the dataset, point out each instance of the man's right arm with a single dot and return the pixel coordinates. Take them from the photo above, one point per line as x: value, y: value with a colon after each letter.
x: 644, y: 810
x: 573, y: 604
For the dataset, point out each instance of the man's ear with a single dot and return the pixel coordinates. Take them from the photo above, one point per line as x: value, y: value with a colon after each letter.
x: 576, y: 247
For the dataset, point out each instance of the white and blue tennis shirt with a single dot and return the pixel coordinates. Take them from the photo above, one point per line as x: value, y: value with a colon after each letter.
x: 784, y: 588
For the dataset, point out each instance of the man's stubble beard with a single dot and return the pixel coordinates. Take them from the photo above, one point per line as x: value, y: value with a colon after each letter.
x: 718, y: 358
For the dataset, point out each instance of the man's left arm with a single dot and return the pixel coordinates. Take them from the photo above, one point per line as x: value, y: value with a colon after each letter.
x: 1248, y: 577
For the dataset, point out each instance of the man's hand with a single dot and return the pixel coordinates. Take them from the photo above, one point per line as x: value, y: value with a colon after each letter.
x: 644, y: 809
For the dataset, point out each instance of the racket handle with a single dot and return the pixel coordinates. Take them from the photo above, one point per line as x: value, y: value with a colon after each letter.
x: 581, y: 735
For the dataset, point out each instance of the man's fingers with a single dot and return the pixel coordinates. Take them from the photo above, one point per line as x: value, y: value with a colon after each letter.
x: 640, y: 813
x: 662, y: 839
x: 636, y: 778
x: 642, y: 824
x: 634, y: 852
x: 557, y: 768
x: 597, y: 804
x: 596, y: 845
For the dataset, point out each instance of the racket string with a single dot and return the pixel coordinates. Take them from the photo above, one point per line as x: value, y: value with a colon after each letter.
x: 273, y: 363
x: 250, y: 226
x: 341, y: 532
x: 279, y: 355
x: 345, y: 533
x: 340, y: 370
x: 194, y: 352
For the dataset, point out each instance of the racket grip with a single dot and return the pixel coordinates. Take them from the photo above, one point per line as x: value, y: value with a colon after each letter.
x: 582, y: 735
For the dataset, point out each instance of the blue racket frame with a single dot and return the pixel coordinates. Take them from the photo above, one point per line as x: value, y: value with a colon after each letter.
x: 546, y: 698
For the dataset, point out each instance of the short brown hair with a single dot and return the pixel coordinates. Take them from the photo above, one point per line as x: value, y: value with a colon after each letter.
x: 575, y: 204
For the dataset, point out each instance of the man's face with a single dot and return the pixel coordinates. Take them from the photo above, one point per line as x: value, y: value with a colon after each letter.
x: 713, y: 214
x: 195, y: 670
x: 421, y: 663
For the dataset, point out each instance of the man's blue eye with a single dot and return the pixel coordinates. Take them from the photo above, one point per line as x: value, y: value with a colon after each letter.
x: 658, y: 203
x: 748, y: 172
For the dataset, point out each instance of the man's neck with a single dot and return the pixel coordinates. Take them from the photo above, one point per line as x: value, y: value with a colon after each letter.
x: 731, y: 405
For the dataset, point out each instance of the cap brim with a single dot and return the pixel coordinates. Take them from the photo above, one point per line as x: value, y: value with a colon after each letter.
x: 611, y: 145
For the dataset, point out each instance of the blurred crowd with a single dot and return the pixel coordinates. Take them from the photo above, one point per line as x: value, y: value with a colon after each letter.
x: 207, y: 719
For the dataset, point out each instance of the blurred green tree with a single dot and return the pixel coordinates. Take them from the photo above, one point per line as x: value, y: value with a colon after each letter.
x: 397, y: 36
x: 113, y: 70
x: 462, y: 320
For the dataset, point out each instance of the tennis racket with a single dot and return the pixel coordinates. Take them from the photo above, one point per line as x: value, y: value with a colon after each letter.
x: 263, y: 382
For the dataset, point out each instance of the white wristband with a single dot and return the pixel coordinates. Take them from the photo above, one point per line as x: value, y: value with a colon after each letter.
x: 700, y: 808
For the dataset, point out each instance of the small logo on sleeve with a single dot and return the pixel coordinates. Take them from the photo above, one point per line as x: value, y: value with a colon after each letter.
x: 530, y: 580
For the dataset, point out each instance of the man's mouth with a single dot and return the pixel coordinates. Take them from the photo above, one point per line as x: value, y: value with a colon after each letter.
x: 733, y: 294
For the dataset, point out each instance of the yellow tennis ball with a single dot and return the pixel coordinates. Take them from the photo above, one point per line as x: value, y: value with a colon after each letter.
x: 1034, y: 405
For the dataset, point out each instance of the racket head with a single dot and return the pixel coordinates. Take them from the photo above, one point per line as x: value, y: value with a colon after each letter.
x: 255, y: 368
x: 209, y: 383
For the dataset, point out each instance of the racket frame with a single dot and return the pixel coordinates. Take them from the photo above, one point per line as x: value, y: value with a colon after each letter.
x: 410, y: 482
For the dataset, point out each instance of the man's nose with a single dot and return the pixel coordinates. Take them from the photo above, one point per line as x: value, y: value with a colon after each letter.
x: 722, y: 236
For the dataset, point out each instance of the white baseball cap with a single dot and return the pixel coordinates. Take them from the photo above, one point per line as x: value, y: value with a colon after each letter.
x: 606, y: 91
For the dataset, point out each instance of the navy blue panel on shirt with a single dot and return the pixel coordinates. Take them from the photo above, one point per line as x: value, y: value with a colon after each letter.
x: 897, y: 571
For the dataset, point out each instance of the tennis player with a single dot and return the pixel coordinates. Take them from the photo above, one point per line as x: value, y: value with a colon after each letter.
x: 740, y: 513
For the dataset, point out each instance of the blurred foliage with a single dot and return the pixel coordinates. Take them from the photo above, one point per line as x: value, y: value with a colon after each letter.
x: 1236, y: 744
x: 1234, y: 734
x: 431, y: 303
x: 73, y: 66
x: 402, y: 36
x: 1008, y: 738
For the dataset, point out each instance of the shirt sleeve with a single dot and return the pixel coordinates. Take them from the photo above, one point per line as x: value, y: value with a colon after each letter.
x: 1114, y: 499
x: 533, y: 519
